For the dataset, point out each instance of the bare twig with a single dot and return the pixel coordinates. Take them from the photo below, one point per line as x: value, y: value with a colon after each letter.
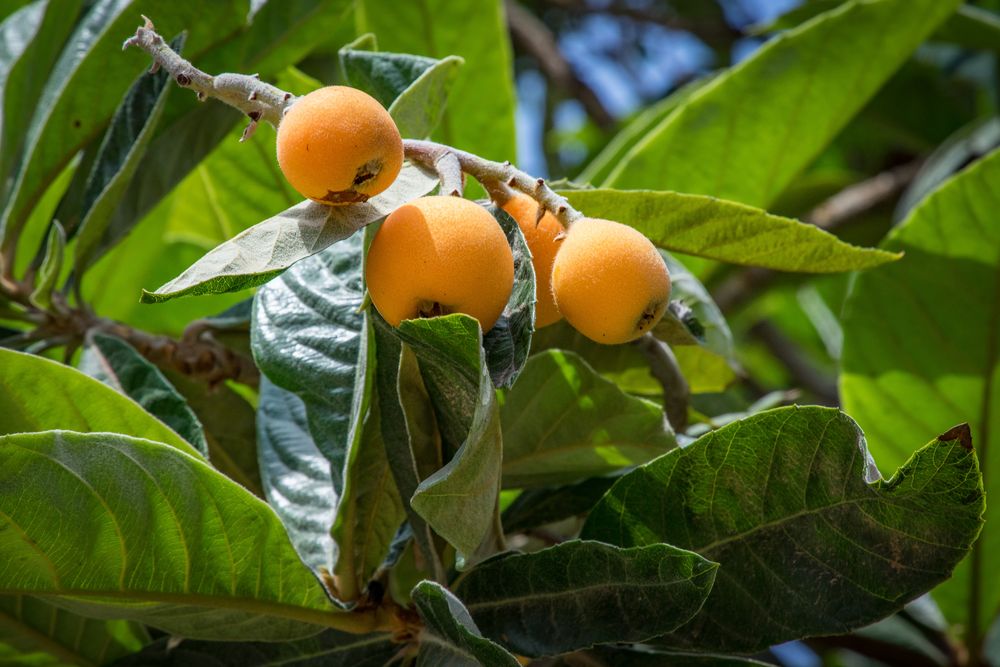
x: 842, y: 207
x: 664, y: 367
x: 533, y: 37
x: 258, y: 100
x: 493, y: 174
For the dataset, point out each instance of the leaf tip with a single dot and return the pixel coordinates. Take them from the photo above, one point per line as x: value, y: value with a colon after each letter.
x: 150, y: 297
x: 962, y: 433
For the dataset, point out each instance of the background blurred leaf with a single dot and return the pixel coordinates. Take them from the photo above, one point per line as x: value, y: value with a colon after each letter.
x: 118, y: 157
x: 789, y: 497
x: 922, y: 350
x: 30, y: 41
x: 480, y: 113
x: 749, y: 132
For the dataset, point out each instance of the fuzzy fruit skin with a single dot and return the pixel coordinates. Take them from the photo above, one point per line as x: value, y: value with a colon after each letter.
x: 542, y: 243
x: 338, y: 145
x: 440, y: 255
x: 609, y: 281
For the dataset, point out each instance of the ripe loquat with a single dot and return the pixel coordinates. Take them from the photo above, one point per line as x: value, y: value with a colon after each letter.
x: 542, y: 243
x: 609, y: 281
x: 338, y: 145
x: 440, y: 255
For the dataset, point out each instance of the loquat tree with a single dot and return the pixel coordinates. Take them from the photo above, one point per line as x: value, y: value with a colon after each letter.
x: 436, y: 410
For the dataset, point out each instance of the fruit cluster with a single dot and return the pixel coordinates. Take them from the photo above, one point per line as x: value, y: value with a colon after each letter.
x: 440, y: 254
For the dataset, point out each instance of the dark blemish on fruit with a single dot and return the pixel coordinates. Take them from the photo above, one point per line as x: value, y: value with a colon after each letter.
x: 367, y: 172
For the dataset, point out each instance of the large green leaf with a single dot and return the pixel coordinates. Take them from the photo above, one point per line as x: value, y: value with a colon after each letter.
x: 256, y: 255
x: 480, y: 113
x: 508, y: 342
x: 578, y: 594
x: 38, y: 394
x: 450, y: 637
x: 118, y: 157
x: 118, y: 365
x: 329, y: 649
x: 34, y: 633
x: 922, y: 351
x: 90, y: 78
x: 562, y: 422
x: 309, y: 337
x: 419, y: 108
x: 727, y: 231
x: 598, y: 169
x: 30, y: 41
x: 749, y: 132
x: 282, y: 32
x: 788, y: 498
x: 296, y: 476
x: 369, y: 513
x: 459, y: 500
x: 166, y: 540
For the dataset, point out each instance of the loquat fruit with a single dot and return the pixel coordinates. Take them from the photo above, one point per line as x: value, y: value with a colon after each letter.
x: 338, y: 145
x: 609, y: 281
x: 440, y: 255
x: 542, y: 243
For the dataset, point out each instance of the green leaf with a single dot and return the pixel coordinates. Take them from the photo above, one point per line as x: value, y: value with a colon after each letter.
x: 459, y: 500
x: 283, y: 33
x: 118, y: 365
x: 296, y: 476
x: 537, y: 507
x: 727, y: 231
x: 603, y: 164
x: 787, y: 498
x: 645, y: 657
x: 310, y: 338
x: 175, y: 544
x: 562, y: 422
x: 922, y: 351
x: 36, y: 633
x: 118, y: 157
x: 450, y: 636
x: 51, y: 268
x: 369, y: 513
x: 89, y: 79
x: 384, y: 76
x: 480, y: 113
x: 265, y: 250
x: 229, y: 422
x: 329, y: 649
x: 693, y: 308
x: 409, y: 431
x: 419, y: 108
x: 507, y: 344
x: 578, y: 594
x: 30, y: 40
x: 70, y: 401
x: 749, y: 132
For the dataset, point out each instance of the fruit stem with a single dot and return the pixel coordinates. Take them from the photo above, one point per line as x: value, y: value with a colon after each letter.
x: 493, y: 176
x: 257, y: 99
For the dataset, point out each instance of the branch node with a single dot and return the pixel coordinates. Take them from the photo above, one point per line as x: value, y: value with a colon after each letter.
x: 183, y: 79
